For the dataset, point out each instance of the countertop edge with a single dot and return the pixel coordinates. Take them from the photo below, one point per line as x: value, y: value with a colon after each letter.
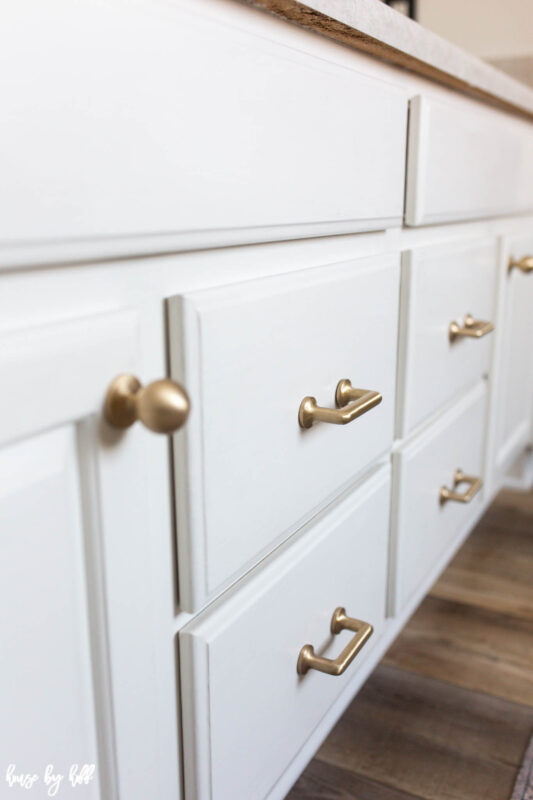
x: 372, y: 27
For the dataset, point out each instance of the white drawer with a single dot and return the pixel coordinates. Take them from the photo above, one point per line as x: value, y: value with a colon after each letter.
x: 247, y: 474
x: 441, y: 287
x: 466, y: 161
x: 514, y: 389
x: 242, y: 653
x: 184, y: 125
x: 425, y: 528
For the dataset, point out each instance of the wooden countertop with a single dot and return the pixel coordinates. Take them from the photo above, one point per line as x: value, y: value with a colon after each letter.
x: 374, y: 28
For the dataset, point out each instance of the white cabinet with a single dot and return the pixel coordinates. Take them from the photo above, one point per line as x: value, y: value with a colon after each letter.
x: 247, y: 474
x: 77, y: 598
x: 156, y: 593
x: 247, y: 711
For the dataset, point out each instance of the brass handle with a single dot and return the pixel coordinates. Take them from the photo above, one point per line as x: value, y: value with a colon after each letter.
x: 339, y: 622
x: 475, y: 485
x: 162, y: 406
x: 474, y: 328
x: 359, y: 402
x: 523, y: 264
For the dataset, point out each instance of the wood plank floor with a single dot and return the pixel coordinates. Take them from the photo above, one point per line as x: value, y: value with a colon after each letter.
x: 448, y: 713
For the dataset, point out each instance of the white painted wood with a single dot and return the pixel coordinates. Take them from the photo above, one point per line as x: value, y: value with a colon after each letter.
x: 74, y: 512
x: 392, y: 628
x: 183, y: 124
x: 519, y: 476
x: 42, y: 365
x: 48, y: 713
x: 492, y: 479
x: 128, y: 471
x: 289, y: 248
x: 246, y: 474
x: 140, y: 128
x: 441, y: 285
x: 423, y: 529
x: 514, y: 390
x: 466, y: 163
x: 246, y: 710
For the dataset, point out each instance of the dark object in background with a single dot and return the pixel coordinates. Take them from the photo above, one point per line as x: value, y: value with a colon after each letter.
x: 407, y: 7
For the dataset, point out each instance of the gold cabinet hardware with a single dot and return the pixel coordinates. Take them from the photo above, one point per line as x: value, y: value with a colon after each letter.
x: 163, y: 406
x: 339, y: 622
x: 475, y: 485
x: 524, y: 264
x: 471, y: 327
x: 352, y: 404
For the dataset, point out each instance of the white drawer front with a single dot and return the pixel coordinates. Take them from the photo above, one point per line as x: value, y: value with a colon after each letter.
x: 181, y: 124
x: 442, y: 286
x: 240, y: 688
x: 514, y: 389
x: 466, y: 162
x: 425, y: 529
x: 247, y: 474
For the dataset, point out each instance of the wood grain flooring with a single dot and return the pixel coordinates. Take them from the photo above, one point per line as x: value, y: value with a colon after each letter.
x: 448, y: 713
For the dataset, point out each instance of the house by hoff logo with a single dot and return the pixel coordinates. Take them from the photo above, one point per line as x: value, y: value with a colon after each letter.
x: 51, y: 779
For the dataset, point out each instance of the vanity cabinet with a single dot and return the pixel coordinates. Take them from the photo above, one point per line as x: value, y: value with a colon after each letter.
x: 252, y: 401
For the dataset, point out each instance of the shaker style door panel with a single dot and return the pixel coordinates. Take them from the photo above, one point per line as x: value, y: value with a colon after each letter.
x: 427, y: 521
x: 48, y: 709
x: 247, y: 474
x: 77, y: 659
x: 212, y: 128
x: 448, y: 314
x: 241, y: 691
x: 514, y: 390
x: 465, y: 163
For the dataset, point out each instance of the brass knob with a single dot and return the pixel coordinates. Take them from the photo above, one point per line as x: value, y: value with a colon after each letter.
x: 162, y: 406
x: 524, y: 264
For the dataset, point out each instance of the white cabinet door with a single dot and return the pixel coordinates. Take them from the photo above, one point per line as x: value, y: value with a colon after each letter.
x: 77, y: 674
x: 514, y: 386
x: 45, y: 664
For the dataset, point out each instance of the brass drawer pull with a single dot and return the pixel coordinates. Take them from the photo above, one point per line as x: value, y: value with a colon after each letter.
x: 523, y: 264
x: 339, y: 622
x: 352, y: 404
x: 163, y: 406
x: 474, y: 328
x: 446, y: 494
